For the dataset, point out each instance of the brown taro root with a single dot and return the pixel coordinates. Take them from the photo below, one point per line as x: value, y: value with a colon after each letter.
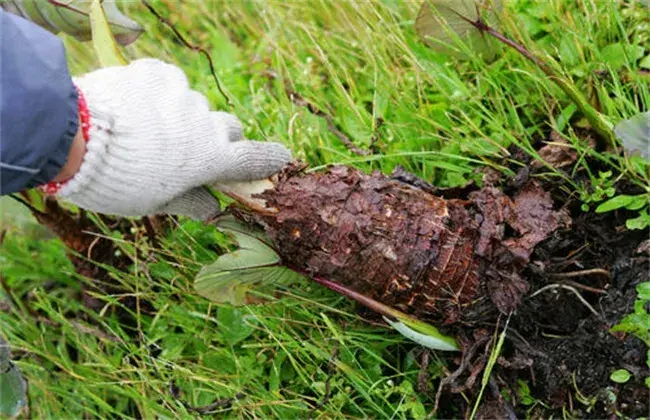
x: 403, y: 246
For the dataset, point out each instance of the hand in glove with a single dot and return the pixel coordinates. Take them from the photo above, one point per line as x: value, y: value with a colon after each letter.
x: 152, y: 142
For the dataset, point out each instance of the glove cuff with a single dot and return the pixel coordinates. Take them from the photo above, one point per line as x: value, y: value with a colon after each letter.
x: 52, y: 188
x: 97, y: 143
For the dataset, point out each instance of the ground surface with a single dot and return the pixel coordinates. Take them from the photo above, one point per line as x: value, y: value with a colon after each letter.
x: 158, y: 349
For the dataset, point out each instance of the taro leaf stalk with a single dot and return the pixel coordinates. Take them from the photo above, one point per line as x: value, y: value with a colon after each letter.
x: 598, y: 121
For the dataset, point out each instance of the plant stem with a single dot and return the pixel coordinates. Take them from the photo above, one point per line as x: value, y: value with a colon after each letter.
x: 597, y: 120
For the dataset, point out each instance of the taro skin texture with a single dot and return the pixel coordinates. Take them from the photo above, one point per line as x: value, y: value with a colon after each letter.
x: 403, y: 246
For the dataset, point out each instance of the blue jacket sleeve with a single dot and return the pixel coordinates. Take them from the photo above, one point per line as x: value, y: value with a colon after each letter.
x: 38, y: 108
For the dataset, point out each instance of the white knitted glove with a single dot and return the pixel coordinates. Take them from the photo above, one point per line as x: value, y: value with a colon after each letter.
x: 153, y: 142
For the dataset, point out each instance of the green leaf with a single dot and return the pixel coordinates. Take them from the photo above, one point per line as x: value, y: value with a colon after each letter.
x: 235, y: 288
x: 639, y: 202
x: 565, y: 116
x: 645, y: 63
x: 275, y: 374
x: 647, y: 382
x: 107, y: 50
x: 13, y: 388
x: 229, y: 223
x: 439, y: 26
x: 620, y: 376
x: 430, y: 338
x: 643, y: 290
x: 568, y: 50
x: 617, y: 55
x: 640, y: 222
x: 635, y: 134
x: 235, y: 324
x: 616, y: 202
x: 229, y: 279
x: 232, y: 276
x: 523, y: 392
x: 73, y: 19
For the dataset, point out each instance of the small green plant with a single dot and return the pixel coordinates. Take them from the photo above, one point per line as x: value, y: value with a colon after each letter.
x: 523, y: 393
x: 620, y: 376
x: 638, y: 202
x: 599, y: 189
x: 637, y: 324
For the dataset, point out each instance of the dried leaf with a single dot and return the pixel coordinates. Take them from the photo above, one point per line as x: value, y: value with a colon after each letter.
x: 533, y: 217
x: 558, y: 152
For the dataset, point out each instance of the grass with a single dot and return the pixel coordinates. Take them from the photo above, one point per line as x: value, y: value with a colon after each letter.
x: 362, y: 63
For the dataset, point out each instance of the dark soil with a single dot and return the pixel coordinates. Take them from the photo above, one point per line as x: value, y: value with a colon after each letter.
x: 565, y: 340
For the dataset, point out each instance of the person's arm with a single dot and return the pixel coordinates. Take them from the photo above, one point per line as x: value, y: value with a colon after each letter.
x: 38, y: 106
x: 127, y: 140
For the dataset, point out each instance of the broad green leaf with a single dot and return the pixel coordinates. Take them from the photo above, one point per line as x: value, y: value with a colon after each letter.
x: 431, y: 339
x: 620, y: 376
x: 617, y: 55
x: 640, y: 222
x: 439, y: 26
x: 568, y: 49
x: 615, y: 203
x: 13, y: 392
x: 645, y: 63
x: 235, y: 287
x: 13, y: 388
x: 73, y: 19
x: 235, y: 324
x: 229, y: 223
x: 251, y: 253
x: 234, y: 275
x: 635, y: 134
x: 107, y: 50
x: 639, y: 202
x: 643, y: 290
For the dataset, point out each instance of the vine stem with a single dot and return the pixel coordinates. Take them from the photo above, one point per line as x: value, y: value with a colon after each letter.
x: 192, y: 47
